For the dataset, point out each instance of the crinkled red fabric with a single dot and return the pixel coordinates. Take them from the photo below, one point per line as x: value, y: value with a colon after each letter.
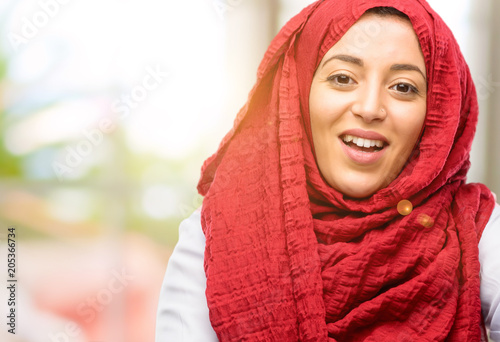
x: 289, y: 258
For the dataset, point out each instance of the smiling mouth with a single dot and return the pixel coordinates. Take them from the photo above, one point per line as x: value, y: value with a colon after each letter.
x: 363, y: 145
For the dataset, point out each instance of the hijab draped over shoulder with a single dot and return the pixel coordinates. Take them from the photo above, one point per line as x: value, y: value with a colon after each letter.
x: 289, y: 258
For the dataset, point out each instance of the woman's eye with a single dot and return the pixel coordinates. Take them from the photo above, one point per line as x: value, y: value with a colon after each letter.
x: 340, y: 79
x: 405, y: 88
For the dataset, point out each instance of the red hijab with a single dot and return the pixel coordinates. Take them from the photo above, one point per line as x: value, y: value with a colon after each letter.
x: 289, y: 258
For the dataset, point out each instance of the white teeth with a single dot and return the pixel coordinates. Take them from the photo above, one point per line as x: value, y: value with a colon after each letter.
x: 348, y: 138
x: 363, y: 142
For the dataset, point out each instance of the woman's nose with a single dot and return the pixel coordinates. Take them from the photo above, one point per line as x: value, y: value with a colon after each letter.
x: 369, y: 104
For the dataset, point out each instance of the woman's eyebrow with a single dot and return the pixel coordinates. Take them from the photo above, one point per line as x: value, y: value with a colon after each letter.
x: 345, y: 58
x: 359, y: 62
x: 408, y: 67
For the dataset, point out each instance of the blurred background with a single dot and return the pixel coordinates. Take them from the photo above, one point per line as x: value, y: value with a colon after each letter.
x: 108, y: 109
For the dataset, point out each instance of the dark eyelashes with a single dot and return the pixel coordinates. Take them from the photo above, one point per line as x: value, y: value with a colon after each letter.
x: 335, y: 79
x: 412, y: 88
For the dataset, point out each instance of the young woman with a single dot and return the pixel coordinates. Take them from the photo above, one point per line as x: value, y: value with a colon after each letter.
x: 337, y: 207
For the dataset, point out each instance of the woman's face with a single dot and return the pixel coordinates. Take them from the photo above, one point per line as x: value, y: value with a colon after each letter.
x: 367, y: 104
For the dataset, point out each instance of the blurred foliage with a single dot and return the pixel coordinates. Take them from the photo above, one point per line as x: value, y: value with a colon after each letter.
x: 10, y: 166
x: 117, y: 179
x: 3, y: 67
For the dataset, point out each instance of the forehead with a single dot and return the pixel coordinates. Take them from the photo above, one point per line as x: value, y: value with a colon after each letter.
x: 395, y: 34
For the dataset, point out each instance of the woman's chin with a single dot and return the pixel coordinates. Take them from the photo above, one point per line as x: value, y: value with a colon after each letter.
x: 358, y: 190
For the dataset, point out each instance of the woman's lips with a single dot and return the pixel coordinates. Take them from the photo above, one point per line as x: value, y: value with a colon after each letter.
x: 363, y: 147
